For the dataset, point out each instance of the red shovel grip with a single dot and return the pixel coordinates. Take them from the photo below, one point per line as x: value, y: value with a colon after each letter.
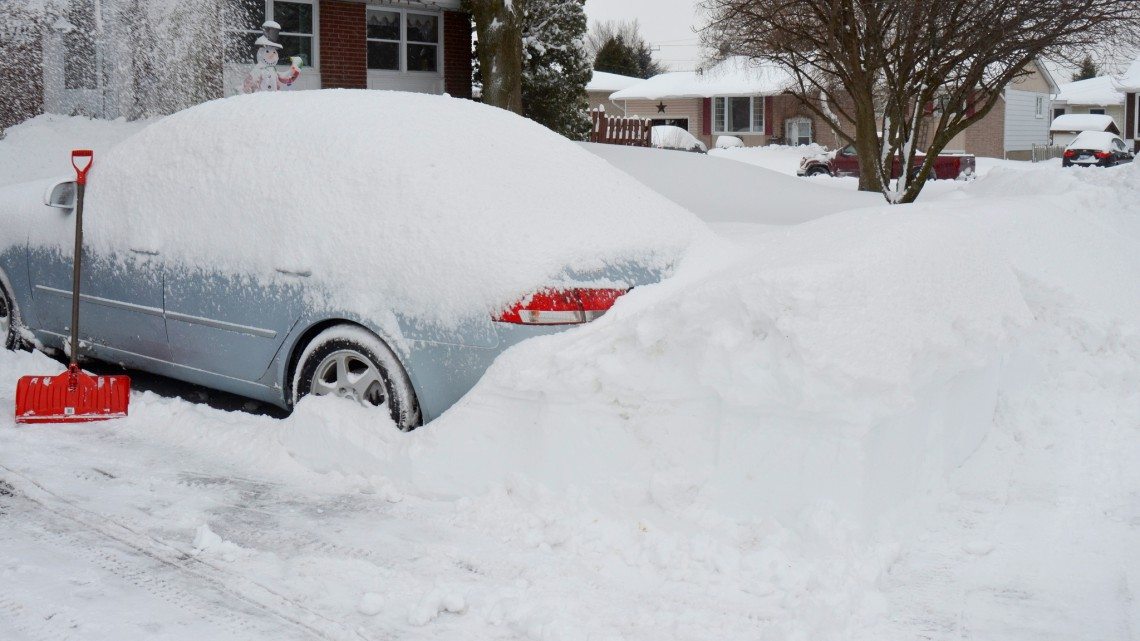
x: 81, y: 172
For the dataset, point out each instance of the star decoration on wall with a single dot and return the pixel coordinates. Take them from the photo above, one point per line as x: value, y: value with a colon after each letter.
x: 661, y: 107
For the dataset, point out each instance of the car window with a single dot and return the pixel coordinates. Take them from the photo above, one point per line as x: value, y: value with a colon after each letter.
x: 849, y: 150
x: 1118, y: 143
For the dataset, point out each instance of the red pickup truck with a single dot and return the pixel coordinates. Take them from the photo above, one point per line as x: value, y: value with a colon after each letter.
x: 845, y: 162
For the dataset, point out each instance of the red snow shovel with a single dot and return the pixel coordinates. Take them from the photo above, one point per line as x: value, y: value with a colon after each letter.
x: 73, y: 396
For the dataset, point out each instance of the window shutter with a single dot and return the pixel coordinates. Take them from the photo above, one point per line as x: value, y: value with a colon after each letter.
x: 706, y: 116
x: 767, y: 115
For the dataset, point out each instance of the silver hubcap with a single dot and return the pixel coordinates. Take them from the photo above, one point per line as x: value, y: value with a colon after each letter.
x: 349, y: 374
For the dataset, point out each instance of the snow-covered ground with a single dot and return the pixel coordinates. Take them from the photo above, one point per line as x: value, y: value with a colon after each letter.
x: 912, y: 422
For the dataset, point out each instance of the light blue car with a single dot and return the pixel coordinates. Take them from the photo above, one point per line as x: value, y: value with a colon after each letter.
x: 261, y: 335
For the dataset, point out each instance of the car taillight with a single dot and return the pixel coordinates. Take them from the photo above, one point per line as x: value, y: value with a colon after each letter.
x: 561, y: 306
x: 1070, y: 153
x: 1103, y: 154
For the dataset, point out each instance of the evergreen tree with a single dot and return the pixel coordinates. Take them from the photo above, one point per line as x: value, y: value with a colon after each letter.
x: 1088, y: 70
x: 616, y: 56
x: 618, y: 47
x: 556, y: 67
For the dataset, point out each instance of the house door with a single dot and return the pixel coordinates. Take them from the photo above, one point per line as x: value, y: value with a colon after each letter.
x: 84, y: 82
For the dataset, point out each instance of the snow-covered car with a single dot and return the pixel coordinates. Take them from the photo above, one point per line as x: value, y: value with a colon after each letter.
x: 1096, y: 149
x: 379, y: 246
x: 673, y: 137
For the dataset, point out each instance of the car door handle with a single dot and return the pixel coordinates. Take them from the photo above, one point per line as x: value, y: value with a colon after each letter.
x: 144, y: 252
x: 302, y: 273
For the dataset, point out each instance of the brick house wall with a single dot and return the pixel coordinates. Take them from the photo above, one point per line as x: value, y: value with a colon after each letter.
x: 987, y: 136
x: 344, y: 64
x: 457, y: 63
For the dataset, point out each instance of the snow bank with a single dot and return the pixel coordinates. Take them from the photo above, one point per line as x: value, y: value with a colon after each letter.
x: 719, y: 191
x: 434, y: 207
x: 41, y: 147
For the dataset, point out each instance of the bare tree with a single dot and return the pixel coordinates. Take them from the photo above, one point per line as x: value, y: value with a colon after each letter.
x: 499, y: 29
x: 894, y: 69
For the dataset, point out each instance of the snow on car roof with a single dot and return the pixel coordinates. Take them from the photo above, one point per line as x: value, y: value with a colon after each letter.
x: 1101, y: 140
x: 1083, y: 122
x: 605, y: 81
x: 735, y: 76
x: 1093, y: 91
x: 435, y: 207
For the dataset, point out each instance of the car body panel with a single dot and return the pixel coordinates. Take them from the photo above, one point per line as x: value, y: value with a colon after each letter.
x: 845, y: 162
x: 226, y: 324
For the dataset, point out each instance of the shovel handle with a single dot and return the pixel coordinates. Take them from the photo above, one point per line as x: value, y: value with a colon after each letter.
x: 81, y: 171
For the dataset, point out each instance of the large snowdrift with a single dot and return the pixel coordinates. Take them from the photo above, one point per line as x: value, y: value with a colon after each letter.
x: 896, y: 423
x: 434, y: 207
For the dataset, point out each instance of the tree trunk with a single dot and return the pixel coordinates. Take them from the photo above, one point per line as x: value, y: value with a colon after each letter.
x: 498, y: 25
x: 867, y: 144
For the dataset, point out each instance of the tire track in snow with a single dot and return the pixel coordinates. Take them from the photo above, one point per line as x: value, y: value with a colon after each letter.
x: 153, y: 557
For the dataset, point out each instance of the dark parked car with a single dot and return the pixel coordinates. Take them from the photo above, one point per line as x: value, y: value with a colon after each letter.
x: 1096, y: 149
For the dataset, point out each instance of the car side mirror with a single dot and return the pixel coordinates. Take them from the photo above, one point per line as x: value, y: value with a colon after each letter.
x: 61, y: 195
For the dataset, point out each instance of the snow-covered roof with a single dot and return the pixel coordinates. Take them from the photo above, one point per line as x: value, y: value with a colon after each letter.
x: 735, y: 76
x: 1094, y: 91
x: 1130, y: 81
x: 1084, y: 122
x: 605, y: 81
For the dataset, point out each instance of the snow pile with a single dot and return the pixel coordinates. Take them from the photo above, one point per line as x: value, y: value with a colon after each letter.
x: 435, y: 207
x: 720, y: 191
x: 605, y: 81
x: 41, y: 147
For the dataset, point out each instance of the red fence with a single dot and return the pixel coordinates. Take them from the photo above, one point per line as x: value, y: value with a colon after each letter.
x: 616, y: 130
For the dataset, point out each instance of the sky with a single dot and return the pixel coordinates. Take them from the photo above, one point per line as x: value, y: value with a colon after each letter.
x: 667, y: 24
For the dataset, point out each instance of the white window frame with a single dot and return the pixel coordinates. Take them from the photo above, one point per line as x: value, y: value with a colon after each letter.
x: 269, y: 15
x: 1039, y: 107
x: 720, y: 124
x: 404, y: 42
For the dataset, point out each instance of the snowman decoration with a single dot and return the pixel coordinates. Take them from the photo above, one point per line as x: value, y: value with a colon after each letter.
x: 263, y: 76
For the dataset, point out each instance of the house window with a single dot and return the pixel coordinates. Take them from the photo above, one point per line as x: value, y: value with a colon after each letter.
x: 798, y: 131
x: 1097, y: 111
x: 1039, y: 109
x: 243, y: 20
x: 738, y: 115
x: 1058, y: 112
x: 401, y: 40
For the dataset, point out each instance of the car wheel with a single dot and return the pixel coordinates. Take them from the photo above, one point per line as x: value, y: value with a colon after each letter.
x: 7, y: 322
x: 818, y: 171
x: 353, y: 363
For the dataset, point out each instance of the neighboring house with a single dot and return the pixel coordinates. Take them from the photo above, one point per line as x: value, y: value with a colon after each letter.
x: 1098, y: 96
x: 602, y: 84
x: 1066, y: 126
x: 738, y: 97
x: 375, y: 44
x: 750, y: 100
x: 1129, y: 83
x: 1018, y: 121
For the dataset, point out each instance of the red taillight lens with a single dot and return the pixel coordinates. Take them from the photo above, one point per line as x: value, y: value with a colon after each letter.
x: 1069, y: 153
x: 561, y: 306
x: 1103, y: 154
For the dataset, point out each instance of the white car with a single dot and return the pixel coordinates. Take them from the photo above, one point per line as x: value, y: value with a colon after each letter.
x: 1096, y: 149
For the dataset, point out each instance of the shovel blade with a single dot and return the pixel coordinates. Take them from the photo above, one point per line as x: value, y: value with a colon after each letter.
x: 72, y: 397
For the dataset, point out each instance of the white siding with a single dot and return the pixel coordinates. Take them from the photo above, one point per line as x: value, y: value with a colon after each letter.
x: 1023, y: 128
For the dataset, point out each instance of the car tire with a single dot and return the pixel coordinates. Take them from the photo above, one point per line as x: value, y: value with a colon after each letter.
x: 8, y: 332
x: 352, y: 362
x: 817, y: 171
